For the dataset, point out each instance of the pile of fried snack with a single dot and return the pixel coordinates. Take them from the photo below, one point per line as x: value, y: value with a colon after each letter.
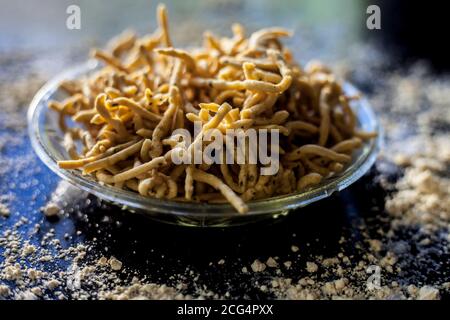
x: 128, y: 110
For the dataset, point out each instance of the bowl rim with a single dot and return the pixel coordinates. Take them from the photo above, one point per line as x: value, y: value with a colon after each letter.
x: 133, y: 201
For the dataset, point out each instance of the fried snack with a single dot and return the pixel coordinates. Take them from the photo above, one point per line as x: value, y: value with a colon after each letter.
x: 129, y: 110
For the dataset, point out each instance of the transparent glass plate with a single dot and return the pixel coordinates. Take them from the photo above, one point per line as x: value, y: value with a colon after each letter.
x: 46, y: 139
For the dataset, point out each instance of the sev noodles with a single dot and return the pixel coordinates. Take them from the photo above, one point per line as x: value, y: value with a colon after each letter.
x: 129, y: 110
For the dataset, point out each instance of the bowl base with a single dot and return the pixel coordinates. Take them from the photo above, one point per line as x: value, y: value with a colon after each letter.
x: 217, y: 222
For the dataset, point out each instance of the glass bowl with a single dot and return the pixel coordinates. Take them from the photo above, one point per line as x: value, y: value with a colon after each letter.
x: 46, y: 139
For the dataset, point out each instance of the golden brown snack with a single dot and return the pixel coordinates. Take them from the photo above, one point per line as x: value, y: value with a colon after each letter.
x: 129, y: 110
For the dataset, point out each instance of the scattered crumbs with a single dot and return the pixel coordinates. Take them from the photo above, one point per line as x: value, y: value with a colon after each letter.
x: 25, y: 274
x: 272, y: 263
x: 34, y: 274
x: 340, y: 284
x: 25, y: 295
x: 115, y: 264
x: 12, y: 272
x: 428, y: 293
x: 102, y: 262
x: 375, y: 245
x: 4, y: 210
x: 258, y: 266
x: 52, y: 284
x: 288, y: 264
x: 51, y: 210
x: 4, y: 291
x: 330, y: 262
x: 36, y: 291
x: 423, y: 193
x: 221, y: 262
x: 46, y: 258
x: 138, y: 291
x: 28, y: 249
x: 295, y: 249
x: 311, y: 267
